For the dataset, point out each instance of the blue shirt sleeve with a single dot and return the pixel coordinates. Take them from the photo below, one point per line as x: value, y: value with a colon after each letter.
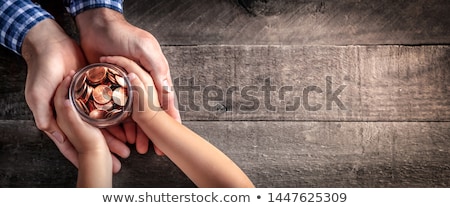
x: 75, y: 7
x: 17, y: 17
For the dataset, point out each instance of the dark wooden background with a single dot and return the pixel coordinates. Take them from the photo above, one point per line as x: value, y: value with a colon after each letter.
x: 387, y: 61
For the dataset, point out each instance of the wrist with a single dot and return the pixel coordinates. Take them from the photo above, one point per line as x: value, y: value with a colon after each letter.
x: 150, y: 118
x: 95, y: 169
x: 94, y: 152
x: 97, y: 19
x: 43, y: 37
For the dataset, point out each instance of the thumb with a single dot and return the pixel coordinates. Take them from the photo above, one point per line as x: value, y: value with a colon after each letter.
x: 53, y: 131
x: 138, y: 92
x: 145, y: 96
x: 45, y: 121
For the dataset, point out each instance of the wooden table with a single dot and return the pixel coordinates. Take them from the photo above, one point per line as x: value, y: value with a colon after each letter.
x: 298, y: 93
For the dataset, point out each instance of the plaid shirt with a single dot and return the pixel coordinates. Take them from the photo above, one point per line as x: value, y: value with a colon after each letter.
x: 17, y: 17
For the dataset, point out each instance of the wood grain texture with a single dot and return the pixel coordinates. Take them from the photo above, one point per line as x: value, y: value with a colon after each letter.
x: 303, y: 83
x: 273, y: 154
x: 291, y: 22
x: 375, y: 75
x: 370, y: 83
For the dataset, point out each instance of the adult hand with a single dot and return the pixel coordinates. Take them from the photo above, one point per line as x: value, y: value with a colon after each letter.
x: 50, y: 56
x: 105, y: 32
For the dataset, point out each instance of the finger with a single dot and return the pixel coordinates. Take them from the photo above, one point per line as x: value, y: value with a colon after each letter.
x: 139, y: 100
x: 115, y: 145
x: 66, y: 149
x: 157, y: 65
x: 61, y: 93
x: 45, y: 121
x: 169, y: 100
x: 141, y: 141
x: 129, y: 65
x: 139, y: 94
x: 43, y: 113
x: 115, y: 164
x: 158, y: 151
x: 130, y: 131
x: 60, y: 102
x: 118, y: 132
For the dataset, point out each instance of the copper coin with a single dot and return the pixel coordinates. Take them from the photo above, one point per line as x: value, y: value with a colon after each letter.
x: 88, y: 93
x: 96, y: 75
x: 119, y: 96
x: 112, y: 71
x: 82, y: 105
x: 113, y: 113
x: 112, y: 78
x: 81, y: 83
x: 97, y: 114
x: 102, y: 94
x: 121, y: 81
x: 80, y: 92
x: 90, y: 104
x: 107, y: 106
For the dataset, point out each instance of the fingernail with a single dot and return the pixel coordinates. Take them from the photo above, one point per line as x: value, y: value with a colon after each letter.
x: 58, y: 137
x: 166, y: 87
x: 131, y: 76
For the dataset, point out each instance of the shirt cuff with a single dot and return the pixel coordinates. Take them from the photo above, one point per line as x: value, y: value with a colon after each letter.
x: 75, y: 7
x: 17, y: 17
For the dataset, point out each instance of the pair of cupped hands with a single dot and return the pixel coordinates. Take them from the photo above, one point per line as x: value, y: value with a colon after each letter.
x: 52, y: 56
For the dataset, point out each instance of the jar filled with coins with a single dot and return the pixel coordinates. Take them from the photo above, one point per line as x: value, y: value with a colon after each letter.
x: 101, y: 94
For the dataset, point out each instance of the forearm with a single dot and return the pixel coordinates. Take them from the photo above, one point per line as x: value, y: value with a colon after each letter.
x: 95, y: 169
x: 18, y: 17
x: 203, y: 163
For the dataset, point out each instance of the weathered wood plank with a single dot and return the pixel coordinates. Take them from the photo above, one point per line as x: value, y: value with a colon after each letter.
x: 28, y: 158
x: 273, y: 154
x: 304, y: 83
x: 291, y: 22
x: 327, y: 83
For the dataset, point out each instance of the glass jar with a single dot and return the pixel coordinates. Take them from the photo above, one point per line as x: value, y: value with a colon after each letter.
x: 101, y: 94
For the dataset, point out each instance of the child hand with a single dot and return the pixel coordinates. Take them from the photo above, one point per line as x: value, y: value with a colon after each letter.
x: 84, y: 137
x: 145, y: 97
x: 95, y: 160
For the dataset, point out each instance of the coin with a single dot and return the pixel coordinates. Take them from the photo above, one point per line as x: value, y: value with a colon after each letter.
x: 120, y: 80
x: 119, y: 96
x: 87, y: 93
x: 112, y: 113
x: 102, y: 94
x: 96, y: 75
x: 107, y: 106
x: 112, y: 71
x: 82, y: 105
x: 97, y: 114
x: 82, y: 83
x: 111, y: 78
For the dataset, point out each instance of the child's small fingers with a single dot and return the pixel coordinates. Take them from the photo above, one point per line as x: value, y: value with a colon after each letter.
x: 61, y: 94
x: 63, y: 106
x: 139, y: 93
x: 130, y: 66
x: 121, y: 61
